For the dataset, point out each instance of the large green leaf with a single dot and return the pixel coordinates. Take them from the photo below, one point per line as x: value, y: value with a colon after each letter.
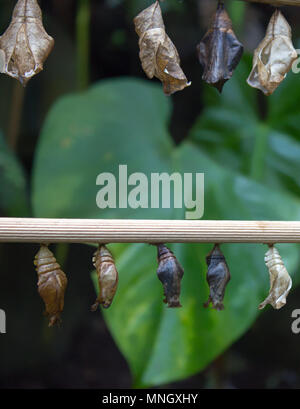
x: 13, y: 193
x: 124, y: 121
x: 118, y: 122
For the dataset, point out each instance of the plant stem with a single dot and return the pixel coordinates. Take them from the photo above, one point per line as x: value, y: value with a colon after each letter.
x: 259, y: 153
x: 83, y: 43
x: 17, y: 101
x: 237, y: 14
x: 61, y: 253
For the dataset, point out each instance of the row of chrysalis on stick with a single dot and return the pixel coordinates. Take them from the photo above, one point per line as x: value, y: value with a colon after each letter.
x: 219, y: 52
x: 25, y: 46
x: 52, y: 281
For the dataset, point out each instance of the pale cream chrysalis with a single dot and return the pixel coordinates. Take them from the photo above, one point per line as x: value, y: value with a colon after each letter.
x: 280, y: 281
x: 274, y: 56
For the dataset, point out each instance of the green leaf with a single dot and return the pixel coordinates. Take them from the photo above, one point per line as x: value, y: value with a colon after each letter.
x: 118, y: 122
x: 13, y: 189
x: 124, y: 121
x: 231, y: 130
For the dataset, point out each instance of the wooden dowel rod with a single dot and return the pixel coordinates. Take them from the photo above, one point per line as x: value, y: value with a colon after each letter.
x: 277, y: 2
x: 18, y: 230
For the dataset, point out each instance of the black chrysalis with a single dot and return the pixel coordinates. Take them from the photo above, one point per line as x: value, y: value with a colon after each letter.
x: 217, y: 277
x: 170, y: 273
x: 219, y: 51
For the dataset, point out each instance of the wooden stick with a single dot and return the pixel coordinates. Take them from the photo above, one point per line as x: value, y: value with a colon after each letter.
x: 277, y: 2
x: 19, y: 230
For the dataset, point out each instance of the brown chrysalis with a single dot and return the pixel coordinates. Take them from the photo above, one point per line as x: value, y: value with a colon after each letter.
x: 280, y: 281
x: 217, y: 277
x: 170, y: 273
x: 52, y: 283
x: 219, y: 51
x: 107, y: 277
x: 158, y: 54
x: 25, y: 45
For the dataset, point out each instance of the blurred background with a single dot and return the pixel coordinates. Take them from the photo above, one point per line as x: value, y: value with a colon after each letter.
x: 53, y: 147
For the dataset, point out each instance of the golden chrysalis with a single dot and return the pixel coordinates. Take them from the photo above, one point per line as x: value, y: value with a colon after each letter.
x: 280, y: 281
x: 52, y: 283
x: 170, y: 273
x: 218, y: 276
x: 25, y: 45
x: 158, y: 54
x: 107, y: 277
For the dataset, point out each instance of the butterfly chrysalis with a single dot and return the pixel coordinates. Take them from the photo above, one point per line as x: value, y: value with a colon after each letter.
x: 158, y: 55
x: 25, y: 43
x: 219, y: 51
x: 170, y: 273
x: 280, y: 281
x: 218, y: 276
x: 107, y: 277
x: 52, y: 283
x: 274, y: 56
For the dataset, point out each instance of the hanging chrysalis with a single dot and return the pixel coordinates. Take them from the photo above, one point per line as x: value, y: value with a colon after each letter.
x: 52, y: 283
x: 274, y: 56
x: 107, y: 277
x: 280, y: 281
x: 218, y: 276
x: 25, y: 45
x: 219, y: 51
x: 158, y: 54
x: 170, y: 273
